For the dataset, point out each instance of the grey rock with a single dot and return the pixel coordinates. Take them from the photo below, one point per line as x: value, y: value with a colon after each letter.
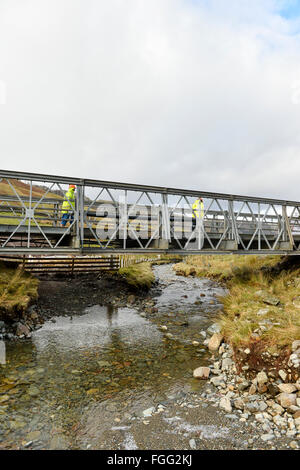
x: 217, y: 381
x: 252, y: 407
x: 270, y: 299
x: 295, y: 345
x: 227, y: 364
x: 215, y: 328
x: 225, y: 404
x: 243, y: 385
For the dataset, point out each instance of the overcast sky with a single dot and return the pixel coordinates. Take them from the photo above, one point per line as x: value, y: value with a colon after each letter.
x: 199, y: 94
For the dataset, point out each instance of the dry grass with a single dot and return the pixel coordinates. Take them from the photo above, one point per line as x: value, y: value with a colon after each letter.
x: 251, y: 283
x: 17, y: 290
x: 23, y: 189
x: 228, y: 266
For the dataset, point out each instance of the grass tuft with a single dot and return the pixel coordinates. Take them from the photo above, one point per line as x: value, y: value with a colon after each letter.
x: 17, y: 290
x: 138, y: 275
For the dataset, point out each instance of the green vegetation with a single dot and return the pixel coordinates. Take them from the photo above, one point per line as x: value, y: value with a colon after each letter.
x: 138, y: 275
x: 263, y: 303
x: 17, y: 290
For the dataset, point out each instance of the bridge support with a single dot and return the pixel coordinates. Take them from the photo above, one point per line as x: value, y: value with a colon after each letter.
x: 231, y: 245
x: 288, y: 246
x: 160, y: 244
x: 75, y: 242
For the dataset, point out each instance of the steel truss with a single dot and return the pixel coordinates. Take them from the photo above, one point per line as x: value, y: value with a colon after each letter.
x: 119, y: 217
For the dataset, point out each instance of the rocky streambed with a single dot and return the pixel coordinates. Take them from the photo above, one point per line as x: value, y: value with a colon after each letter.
x: 102, y: 367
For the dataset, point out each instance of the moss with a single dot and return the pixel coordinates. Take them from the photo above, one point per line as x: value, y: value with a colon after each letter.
x: 17, y: 291
x: 138, y: 275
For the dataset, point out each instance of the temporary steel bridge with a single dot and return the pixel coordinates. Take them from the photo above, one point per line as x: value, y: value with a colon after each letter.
x: 110, y: 217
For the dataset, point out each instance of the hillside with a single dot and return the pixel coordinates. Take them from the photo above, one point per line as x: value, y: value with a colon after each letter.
x: 23, y: 189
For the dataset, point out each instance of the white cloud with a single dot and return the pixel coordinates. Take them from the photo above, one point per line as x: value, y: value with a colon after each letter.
x: 186, y: 93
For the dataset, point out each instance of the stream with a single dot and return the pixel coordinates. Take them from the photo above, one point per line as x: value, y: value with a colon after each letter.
x: 113, y: 378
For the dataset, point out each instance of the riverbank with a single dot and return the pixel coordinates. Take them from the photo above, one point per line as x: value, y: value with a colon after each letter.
x: 261, y: 310
x: 255, y: 342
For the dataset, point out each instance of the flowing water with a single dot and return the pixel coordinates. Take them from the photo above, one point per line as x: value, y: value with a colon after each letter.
x: 79, y: 377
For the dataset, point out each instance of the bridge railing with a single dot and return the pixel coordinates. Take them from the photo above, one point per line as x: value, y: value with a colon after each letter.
x: 111, y: 216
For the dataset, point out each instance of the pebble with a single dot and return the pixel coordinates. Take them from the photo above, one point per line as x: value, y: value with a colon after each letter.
x: 192, y: 444
x: 28, y: 444
x: 267, y: 437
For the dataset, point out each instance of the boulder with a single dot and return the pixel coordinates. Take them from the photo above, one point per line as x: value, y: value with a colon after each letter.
x: 22, y: 330
x: 215, y: 342
x: 270, y: 300
x: 287, y: 388
x: 283, y: 375
x: 286, y: 399
x: 225, y: 404
x: 262, y: 378
x: 201, y: 373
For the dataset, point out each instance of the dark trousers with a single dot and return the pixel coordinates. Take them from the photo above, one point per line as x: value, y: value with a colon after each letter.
x: 66, y: 217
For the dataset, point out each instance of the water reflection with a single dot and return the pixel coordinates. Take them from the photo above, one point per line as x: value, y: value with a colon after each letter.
x: 98, y: 327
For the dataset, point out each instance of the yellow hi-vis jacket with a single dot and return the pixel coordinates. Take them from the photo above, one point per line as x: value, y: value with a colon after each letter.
x: 198, y: 209
x: 69, y: 202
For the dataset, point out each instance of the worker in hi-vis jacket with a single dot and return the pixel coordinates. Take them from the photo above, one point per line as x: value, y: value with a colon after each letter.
x: 198, y: 211
x: 68, y: 206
